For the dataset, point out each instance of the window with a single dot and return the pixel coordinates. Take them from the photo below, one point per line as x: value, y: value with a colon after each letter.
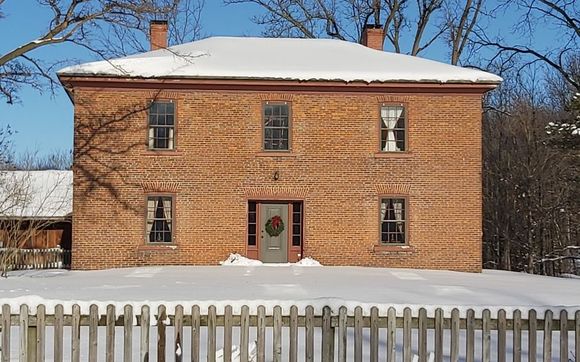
x: 161, y: 125
x: 252, y: 222
x: 393, y: 221
x: 296, y: 223
x: 159, y: 219
x: 393, y: 129
x: 276, y: 127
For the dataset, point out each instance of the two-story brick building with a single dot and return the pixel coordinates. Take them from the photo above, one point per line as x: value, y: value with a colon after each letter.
x: 277, y: 149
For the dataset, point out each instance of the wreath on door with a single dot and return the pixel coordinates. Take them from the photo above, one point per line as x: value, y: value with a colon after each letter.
x: 274, y: 226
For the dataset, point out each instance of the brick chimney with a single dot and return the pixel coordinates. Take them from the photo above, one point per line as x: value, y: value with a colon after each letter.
x: 158, y: 34
x: 372, y: 36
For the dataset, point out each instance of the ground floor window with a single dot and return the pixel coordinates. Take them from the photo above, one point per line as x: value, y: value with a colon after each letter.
x: 393, y: 221
x: 252, y: 223
x: 159, y: 219
x: 296, y: 223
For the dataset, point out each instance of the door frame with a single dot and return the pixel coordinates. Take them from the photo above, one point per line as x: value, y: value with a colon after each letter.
x: 294, y: 253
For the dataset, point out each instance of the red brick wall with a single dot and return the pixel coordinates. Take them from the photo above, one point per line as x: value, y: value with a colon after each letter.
x: 333, y: 167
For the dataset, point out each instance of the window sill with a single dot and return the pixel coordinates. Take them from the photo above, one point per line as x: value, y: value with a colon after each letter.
x: 155, y: 153
x: 387, y: 249
x: 393, y: 154
x: 276, y: 154
x: 158, y: 247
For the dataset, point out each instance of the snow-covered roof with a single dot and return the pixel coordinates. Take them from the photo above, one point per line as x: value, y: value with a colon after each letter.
x: 280, y: 59
x: 35, y: 194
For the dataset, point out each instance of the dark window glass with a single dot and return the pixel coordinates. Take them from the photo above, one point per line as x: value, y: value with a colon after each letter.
x: 252, y: 223
x: 276, y: 127
x: 159, y: 219
x: 393, y: 221
x: 161, y: 125
x: 393, y: 128
x: 297, y: 224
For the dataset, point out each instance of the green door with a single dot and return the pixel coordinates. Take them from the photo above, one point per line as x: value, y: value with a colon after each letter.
x: 274, y: 231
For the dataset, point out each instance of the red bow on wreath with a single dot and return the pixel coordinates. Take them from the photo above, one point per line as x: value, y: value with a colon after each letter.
x: 276, y: 221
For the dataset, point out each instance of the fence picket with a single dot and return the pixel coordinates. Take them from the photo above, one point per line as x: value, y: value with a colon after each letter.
x: 577, y: 335
x: 6, y: 324
x: 517, y: 336
x: 439, y: 335
x: 178, y: 334
x: 23, y: 323
x: 326, y: 335
x: 391, y: 335
x: 422, y: 335
x: 93, y: 332
x: 309, y: 343
x: 501, y: 335
x: 211, y: 334
x: 145, y: 324
x: 293, y: 353
x: 470, y: 336
x: 454, y: 335
x: 76, y: 333
x: 110, y: 342
x: 532, y: 335
x: 261, y: 357
x: 277, y: 334
x: 195, y: 332
x: 58, y: 332
x: 41, y: 332
x: 486, y: 336
x: 342, y: 334
x: 563, y: 335
x: 407, y: 319
x: 228, y: 333
x: 244, y: 333
x: 547, y: 351
x: 127, y: 333
x: 358, y: 334
x: 374, y: 334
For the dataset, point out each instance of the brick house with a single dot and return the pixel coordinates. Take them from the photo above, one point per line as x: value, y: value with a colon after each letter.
x: 276, y: 149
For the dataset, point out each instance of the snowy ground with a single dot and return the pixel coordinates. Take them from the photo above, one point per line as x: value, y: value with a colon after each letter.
x: 291, y: 284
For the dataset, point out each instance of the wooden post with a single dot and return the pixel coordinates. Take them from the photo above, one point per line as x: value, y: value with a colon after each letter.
x: 76, y: 333
x: 517, y: 336
x: 261, y: 334
x: 145, y: 327
x: 277, y: 335
x: 293, y: 353
x: 309, y: 343
x: 577, y: 335
x: 58, y: 333
x: 548, y: 317
x: 455, y: 335
x: 110, y: 339
x: 486, y: 336
x: 6, y: 325
x: 439, y: 335
x: 470, y: 336
x: 501, y: 335
x: 25, y: 347
x: 358, y: 334
x: 326, y: 335
x: 228, y: 333
x: 342, y: 334
x: 532, y: 335
x: 391, y: 335
x: 244, y: 333
x: 127, y: 333
x: 407, y: 319
x: 564, y: 335
x: 161, y: 335
x: 41, y: 332
x: 211, y: 333
x: 178, y: 335
x: 422, y: 335
x: 93, y: 332
x: 195, y: 327
x: 374, y: 334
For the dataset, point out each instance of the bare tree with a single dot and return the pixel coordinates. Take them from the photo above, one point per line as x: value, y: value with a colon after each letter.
x: 106, y: 28
x: 460, y: 26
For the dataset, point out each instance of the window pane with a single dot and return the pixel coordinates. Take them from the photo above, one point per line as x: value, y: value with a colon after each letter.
x: 276, y: 123
x: 393, y: 128
x: 296, y: 240
x: 252, y: 217
x: 161, y: 121
x: 251, y: 228
x: 159, y: 219
x: 393, y: 220
x: 252, y: 240
x: 252, y: 206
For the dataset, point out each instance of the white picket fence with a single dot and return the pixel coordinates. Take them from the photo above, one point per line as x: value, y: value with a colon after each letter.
x: 342, y: 335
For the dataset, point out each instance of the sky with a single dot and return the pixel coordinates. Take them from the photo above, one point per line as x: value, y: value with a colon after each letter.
x: 43, y: 122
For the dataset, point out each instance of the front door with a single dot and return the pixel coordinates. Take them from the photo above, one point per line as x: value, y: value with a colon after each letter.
x: 274, y: 233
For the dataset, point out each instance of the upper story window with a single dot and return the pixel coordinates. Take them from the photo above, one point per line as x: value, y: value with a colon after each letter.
x: 393, y: 128
x: 159, y: 219
x: 276, y: 127
x: 393, y: 221
x: 162, y: 125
